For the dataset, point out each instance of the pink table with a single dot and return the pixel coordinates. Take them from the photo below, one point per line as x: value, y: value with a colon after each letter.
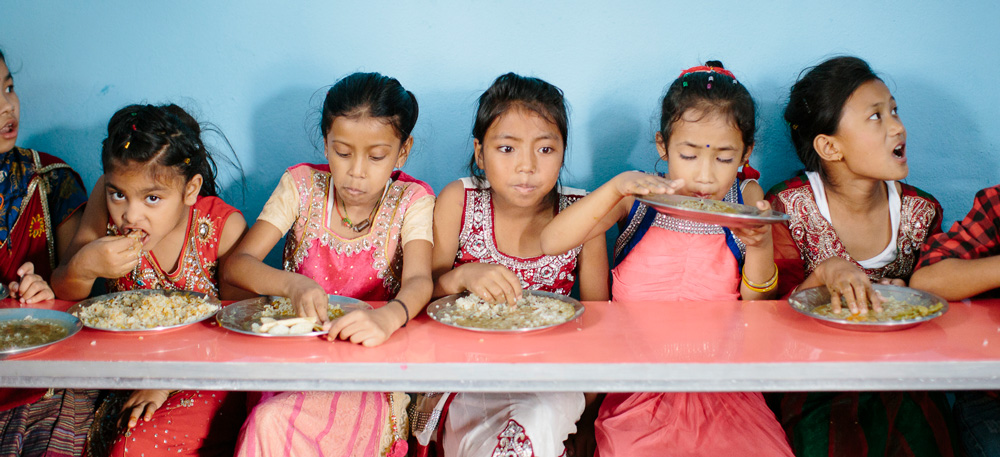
x: 670, y: 346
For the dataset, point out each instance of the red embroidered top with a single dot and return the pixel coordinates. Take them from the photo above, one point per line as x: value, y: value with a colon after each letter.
x: 196, y: 268
x: 478, y: 243
x: 808, y: 238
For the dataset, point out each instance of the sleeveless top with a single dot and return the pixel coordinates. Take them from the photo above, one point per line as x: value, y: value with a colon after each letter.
x: 809, y: 238
x: 368, y: 267
x: 477, y: 243
x: 197, y: 267
x: 38, y: 192
x: 660, y: 257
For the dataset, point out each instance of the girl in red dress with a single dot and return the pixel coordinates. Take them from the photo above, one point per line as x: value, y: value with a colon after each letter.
x: 154, y: 221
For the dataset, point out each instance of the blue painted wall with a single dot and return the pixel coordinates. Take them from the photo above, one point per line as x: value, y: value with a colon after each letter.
x: 256, y: 69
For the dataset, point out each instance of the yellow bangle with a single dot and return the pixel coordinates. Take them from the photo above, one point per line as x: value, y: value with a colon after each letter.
x: 768, y: 286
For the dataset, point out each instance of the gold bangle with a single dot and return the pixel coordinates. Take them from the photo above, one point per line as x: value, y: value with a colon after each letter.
x: 768, y: 286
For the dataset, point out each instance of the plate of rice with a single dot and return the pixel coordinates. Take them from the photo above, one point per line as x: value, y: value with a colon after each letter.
x: 24, y: 330
x: 903, y: 308
x: 145, y: 310
x: 272, y: 316
x: 534, y: 311
x: 726, y: 214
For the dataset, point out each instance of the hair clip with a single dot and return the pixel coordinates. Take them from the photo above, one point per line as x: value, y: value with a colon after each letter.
x: 127, y: 143
x: 133, y: 128
x: 187, y: 161
x: 684, y: 84
x: 710, y: 79
x: 795, y: 126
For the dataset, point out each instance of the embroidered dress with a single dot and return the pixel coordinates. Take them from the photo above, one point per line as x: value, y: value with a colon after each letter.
x: 196, y: 422
x: 38, y: 192
x: 511, y: 424
x: 674, y: 259
x: 809, y: 238
x: 367, y: 268
x: 853, y: 423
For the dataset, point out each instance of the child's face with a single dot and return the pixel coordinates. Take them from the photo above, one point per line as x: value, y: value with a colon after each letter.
x: 870, y: 137
x: 150, y: 198
x: 521, y: 155
x: 10, y: 109
x: 362, y: 153
x: 706, y: 151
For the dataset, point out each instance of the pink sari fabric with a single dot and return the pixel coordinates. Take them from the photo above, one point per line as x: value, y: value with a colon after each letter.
x: 669, y: 265
x: 319, y: 423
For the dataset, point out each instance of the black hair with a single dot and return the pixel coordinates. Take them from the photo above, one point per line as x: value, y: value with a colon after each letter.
x: 709, y: 92
x: 512, y: 90
x: 371, y: 95
x: 817, y: 101
x: 166, y: 135
x: 2, y: 58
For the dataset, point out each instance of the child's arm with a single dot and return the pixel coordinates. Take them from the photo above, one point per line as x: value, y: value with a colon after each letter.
x: 245, y: 269
x: 92, y: 254
x: 957, y: 279
x: 592, y: 266
x: 372, y: 328
x: 599, y: 210
x: 964, y: 261
x: 491, y: 282
x: 232, y: 232
x: 758, y: 266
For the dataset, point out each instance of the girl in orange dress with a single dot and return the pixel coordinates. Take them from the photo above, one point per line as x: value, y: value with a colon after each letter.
x: 159, y: 189
x: 706, y: 134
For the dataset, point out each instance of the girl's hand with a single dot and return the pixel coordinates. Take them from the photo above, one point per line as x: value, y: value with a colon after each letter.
x: 109, y: 256
x: 759, y: 236
x: 31, y: 288
x: 491, y: 282
x: 892, y: 282
x: 309, y: 299
x: 638, y: 183
x: 367, y: 327
x: 144, y: 403
x: 847, y: 282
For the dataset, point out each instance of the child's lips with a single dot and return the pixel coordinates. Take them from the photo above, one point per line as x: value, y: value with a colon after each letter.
x: 9, y: 130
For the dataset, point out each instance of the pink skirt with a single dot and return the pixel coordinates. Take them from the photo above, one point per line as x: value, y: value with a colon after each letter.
x: 688, y: 424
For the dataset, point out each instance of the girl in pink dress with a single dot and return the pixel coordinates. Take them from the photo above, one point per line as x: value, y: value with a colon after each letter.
x: 486, y: 232
x: 706, y: 133
x: 158, y: 189
x: 355, y: 227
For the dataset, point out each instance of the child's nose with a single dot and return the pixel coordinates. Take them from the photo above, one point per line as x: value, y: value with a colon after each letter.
x: 6, y: 105
x: 357, y: 169
x: 526, y: 162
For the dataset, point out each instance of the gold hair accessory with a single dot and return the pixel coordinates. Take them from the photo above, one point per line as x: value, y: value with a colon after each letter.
x: 768, y: 286
x: 187, y: 161
x: 127, y: 143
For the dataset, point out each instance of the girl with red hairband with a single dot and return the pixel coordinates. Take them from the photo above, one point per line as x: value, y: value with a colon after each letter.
x: 706, y: 135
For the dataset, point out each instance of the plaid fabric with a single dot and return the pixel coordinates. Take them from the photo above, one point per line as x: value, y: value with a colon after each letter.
x: 53, y: 426
x: 973, y: 237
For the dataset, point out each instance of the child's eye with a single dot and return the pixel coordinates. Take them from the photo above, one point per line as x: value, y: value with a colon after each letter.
x: 875, y: 117
x: 684, y: 157
x: 547, y: 150
x: 724, y: 160
x: 377, y: 158
x: 152, y: 199
x: 9, y: 89
x: 117, y: 196
x: 505, y: 149
x: 894, y: 111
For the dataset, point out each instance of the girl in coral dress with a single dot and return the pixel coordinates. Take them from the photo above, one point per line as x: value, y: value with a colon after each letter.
x: 706, y: 134
x: 159, y: 188
x: 355, y: 227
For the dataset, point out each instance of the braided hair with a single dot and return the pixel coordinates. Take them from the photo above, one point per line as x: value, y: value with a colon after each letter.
x: 166, y: 135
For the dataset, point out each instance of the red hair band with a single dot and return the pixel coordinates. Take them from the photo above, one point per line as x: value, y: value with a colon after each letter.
x: 708, y: 69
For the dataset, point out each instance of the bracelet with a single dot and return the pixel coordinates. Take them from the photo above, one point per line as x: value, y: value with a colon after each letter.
x: 405, y: 310
x: 768, y: 286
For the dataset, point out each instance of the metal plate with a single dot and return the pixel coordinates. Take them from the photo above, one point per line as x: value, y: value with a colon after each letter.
x: 67, y: 321
x: 437, y: 309
x: 240, y: 316
x: 734, y: 216
x: 184, y: 293
x: 805, y: 301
